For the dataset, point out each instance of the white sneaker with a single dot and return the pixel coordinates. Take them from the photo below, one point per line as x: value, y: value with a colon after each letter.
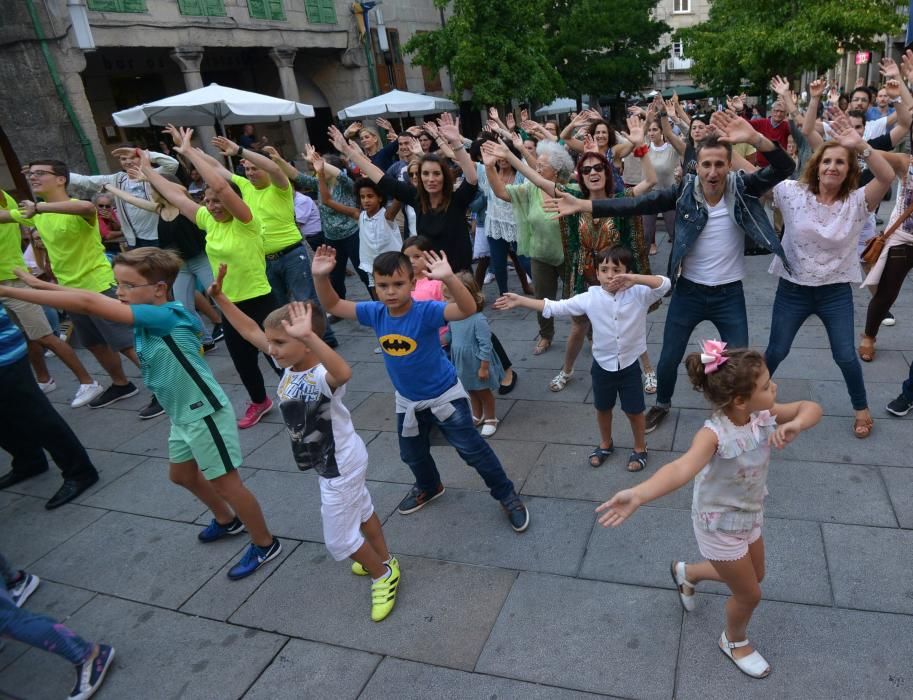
x: 489, y: 278
x: 85, y: 393
x: 48, y: 387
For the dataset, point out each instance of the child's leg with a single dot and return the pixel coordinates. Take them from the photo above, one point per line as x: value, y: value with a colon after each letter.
x: 638, y: 427
x: 645, y: 363
x: 374, y: 536
x: 579, y: 326
x: 475, y: 401
x: 232, y: 489
x: 487, y: 401
x: 604, y: 421
x: 110, y: 362
x: 415, y: 451
x: 36, y: 360
x: 368, y: 557
x: 742, y: 578
x: 130, y: 354
x: 188, y: 475
x: 42, y: 632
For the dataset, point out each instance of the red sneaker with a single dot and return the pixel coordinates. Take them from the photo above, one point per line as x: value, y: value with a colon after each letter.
x: 254, y: 413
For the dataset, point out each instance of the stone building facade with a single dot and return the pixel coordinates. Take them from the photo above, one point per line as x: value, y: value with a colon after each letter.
x: 58, y: 98
x: 678, y: 14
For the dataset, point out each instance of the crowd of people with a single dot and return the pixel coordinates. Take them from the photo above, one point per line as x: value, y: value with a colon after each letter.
x: 426, y: 221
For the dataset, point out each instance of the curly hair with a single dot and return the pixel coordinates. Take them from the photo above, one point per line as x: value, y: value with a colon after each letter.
x: 735, y: 379
x: 591, y: 130
x: 609, y: 173
x: 557, y: 158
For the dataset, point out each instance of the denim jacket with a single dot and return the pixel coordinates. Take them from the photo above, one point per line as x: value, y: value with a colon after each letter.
x: 741, y: 195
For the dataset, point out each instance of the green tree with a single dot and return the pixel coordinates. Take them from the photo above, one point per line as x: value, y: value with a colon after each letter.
x: 604, y: 46
x: 752, y: 41
x: 496, y: 49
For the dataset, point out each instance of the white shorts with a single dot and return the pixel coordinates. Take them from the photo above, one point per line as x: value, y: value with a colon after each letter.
x: 480, y: 248
x: 344, y: 505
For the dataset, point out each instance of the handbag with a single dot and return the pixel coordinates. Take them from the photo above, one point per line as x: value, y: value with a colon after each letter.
x: 873, y: 248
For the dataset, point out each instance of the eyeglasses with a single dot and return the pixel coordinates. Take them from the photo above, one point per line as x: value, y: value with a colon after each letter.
x: 128, y: 286
x: 104, y: 206
x: 587, y: 169
x: 39, y: 173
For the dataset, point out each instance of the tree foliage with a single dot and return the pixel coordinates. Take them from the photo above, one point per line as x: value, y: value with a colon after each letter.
x: 752, y: 40
x: 495, y: 48
x: 604, y: 46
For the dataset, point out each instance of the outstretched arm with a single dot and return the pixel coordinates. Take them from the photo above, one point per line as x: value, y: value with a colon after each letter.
x: 321, y: 266
x: 354, y: 154
x: 74, y: 300
x: 240, y: 321
x: 230, y: 148
x: 143, y: 204
x: 171, y: 191
x: 215, y: 164
x: 299, y: 326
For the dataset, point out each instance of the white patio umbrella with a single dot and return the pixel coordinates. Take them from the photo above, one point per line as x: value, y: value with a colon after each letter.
x: 213, y: 104
x: 559, y: 106
x: 398, y: 103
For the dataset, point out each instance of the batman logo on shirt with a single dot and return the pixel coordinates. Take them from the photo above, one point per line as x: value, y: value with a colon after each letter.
x: 397, y: 345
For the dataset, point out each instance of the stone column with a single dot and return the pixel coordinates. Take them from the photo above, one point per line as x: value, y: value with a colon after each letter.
x: 189, y: 59
x: 850, y: 78
x: 284, y: 58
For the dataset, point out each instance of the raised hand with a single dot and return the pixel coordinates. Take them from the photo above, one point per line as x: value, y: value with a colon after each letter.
x: 892, y: 87
x: 298, y: 324
x: 124, y: 152
x: 493, y: 114
x: 324, y: 261
x: 816, y: 87
x: 510, y: 122
x: 438, y: 267
x: 589, y: 144
x: 386, y: 126
x: 339, y: 141
x: 215, y: 289
x: 737, y: 104
x: 635, y: 133
x: 833, y: 96
x: 185, y: 135
x: 844, y: 134
x: 888, y: 68
x: 488, y: 154
x: 173, y: 132
x: 618, y: 508
x: 779, y: 85
x: 524, y: 114
x: 507, y: 301
x: 860, y: 82
x: 353, y: 128
x: 733, y: 129
x: 906, y: 62
x: 226, y: 146
x: 271, y: 153
x: 415, y: 147
x: 565, y: 204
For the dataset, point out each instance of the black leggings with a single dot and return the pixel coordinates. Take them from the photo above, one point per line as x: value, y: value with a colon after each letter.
x: 500, y: 352
x: 243, y: 354
x: 898, y: 264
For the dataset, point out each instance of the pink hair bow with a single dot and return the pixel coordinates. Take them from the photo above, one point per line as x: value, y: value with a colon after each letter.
x: 712, y: 355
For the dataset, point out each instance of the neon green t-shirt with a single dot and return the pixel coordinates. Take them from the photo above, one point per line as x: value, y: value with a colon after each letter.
x: 74, y: 248
x: 10, y: 242
x: 240, y: 246
x: 274, y: 208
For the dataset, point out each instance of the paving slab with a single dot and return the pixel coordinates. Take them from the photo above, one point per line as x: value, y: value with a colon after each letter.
x: 310, y: 670
x: 220, y: 597
x: 552, y: 629
x: 56, y: 601
x: 106, y: 428
x: 29, y: 531
x: 814, y: 652
x: 291, y: 502
x: 870, y: 567
x: 899, y: 483
x: 443, y: 613
x: 7, y: 498
x: 517, y: 457
x: 639, y: 551
x: 133, y: 547
x: 408, y: 680
x: 470, y: 527
x: 152, y: 653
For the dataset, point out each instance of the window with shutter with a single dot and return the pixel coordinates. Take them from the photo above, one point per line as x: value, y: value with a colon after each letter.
x: 202, y: 8
x: 320, y: 11
x: 117, y: 5
x: 266, y: 9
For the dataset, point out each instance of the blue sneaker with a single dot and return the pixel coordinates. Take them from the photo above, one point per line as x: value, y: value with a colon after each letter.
x: 216, y: 531
x: 91, y: 672
x: 253, y: 559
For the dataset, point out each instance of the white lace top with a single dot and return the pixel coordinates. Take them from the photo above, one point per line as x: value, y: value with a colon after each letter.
x: 819, y: 239
x: 729, y: 492
x: 499, y: 215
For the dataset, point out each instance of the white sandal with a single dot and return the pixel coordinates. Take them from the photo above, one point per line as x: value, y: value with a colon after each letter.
x: 476, y: 421
x: 678, y: 577
x: 649, y: 382
x: 559, y: 381
x: 753, y: 665
x: 489, y: 427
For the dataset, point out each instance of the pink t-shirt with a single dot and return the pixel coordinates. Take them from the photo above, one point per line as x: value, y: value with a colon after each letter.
x: 430, y: 290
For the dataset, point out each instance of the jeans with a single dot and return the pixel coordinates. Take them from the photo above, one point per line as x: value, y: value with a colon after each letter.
x: 29, y: 425
x: 499, y: 253
x: 833, y: 304
x: 346, y: 249
x: 466, y: 440
x: 195, y: 269
x: 691, y: 303
x: 908, y: 386
x: 291, y: 280
x: 40, y: 632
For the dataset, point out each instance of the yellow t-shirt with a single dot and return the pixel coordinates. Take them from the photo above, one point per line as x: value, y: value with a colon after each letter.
x: 274, y: 208
x: 74, y: 248
x: 240, y: 246
x: 10, y: 242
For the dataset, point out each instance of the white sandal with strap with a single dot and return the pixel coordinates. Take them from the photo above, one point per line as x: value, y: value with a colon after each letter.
x: 489, y: 427
x: 753, y: 665
x: 559, y: 381
x: 678, y: 577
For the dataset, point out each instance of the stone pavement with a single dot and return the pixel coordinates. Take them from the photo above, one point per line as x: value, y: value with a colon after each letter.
x: 566, y: 610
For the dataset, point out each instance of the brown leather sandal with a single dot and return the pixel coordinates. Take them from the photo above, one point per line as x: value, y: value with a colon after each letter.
x: 862, y: 427
x: 867, y: 349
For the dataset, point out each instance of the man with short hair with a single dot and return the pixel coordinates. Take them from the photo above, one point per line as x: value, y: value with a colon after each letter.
x: 775, y: 128
x: 716, y: 210
x: 140, y: 227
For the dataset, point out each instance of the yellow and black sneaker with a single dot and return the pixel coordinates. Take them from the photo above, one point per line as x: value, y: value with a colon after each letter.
x: 383, y: 593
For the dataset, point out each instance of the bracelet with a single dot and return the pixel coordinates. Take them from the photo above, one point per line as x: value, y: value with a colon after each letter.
x: 238, y: 154
x: 641, y: 151
x: 459, y: 147
x: 663, y: 114
x: 36, y: 207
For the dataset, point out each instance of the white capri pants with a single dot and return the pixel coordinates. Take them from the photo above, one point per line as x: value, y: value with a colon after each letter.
x: 344, y: 505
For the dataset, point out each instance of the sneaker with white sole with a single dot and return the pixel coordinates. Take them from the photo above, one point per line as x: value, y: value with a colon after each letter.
x: 48, y: 386
x: 253, y: 414
x: 85, y: 393
x: 113, y: 394
x: 253, y: 559
x: 889, y: 320
x: 22, y: 589
x: 91, y: 673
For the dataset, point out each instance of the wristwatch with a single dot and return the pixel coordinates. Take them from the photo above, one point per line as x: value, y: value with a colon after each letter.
x: 866, y: 152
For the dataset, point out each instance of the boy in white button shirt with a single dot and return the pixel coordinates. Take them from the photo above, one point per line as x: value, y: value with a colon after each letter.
x: 617, y: 309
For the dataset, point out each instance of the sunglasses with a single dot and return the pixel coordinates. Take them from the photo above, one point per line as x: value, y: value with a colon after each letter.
x: 587, y: 169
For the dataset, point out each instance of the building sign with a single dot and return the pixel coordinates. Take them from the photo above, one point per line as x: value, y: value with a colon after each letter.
x: 863, y: 57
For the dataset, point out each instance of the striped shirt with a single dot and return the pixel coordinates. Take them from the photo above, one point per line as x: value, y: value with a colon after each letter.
x: 12, y: 342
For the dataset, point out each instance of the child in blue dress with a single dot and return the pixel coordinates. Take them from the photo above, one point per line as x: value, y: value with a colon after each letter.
x: 478, y: 368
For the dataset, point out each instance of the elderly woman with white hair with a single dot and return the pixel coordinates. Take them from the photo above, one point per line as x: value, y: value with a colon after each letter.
x: 538, y: 233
